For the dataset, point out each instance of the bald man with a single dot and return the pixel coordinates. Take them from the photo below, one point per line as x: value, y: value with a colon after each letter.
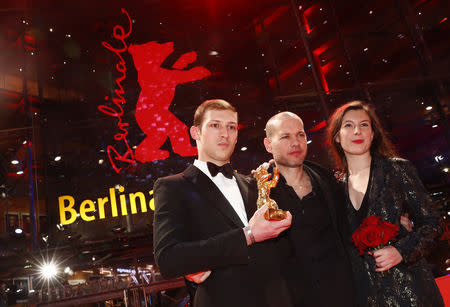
x: 318, y: 269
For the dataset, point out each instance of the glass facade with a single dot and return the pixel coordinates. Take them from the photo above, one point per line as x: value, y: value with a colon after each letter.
x: 96, y: 99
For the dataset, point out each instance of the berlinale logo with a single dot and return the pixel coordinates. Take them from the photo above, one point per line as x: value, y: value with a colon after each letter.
x: 158, y: 87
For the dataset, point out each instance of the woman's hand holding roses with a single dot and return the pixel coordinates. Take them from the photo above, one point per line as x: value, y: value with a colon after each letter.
x: 386, y: 258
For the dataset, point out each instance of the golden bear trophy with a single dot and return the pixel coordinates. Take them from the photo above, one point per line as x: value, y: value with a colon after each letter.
x: 261, y: 175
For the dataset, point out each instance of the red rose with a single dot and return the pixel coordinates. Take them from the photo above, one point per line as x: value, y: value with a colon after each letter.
x: 356, y: 238
x: 371, y: 236
x: 373, y: 233
x: 390, y: 231
x: 371, y: 220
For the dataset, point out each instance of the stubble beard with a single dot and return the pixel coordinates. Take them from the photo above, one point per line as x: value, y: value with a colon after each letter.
x: 281, y: 161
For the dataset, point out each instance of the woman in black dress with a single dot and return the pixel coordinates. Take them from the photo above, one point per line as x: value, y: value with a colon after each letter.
x: 379, y: 183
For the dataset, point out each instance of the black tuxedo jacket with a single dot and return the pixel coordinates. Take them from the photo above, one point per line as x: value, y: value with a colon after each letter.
x: 196, y: 229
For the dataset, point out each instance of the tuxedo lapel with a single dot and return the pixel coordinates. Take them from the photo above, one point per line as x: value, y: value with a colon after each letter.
x: 248, y: 195
x: 211, y: 193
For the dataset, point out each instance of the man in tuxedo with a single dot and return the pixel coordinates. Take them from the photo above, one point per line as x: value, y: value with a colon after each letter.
x: 202, y: 226
x: 318, y: 271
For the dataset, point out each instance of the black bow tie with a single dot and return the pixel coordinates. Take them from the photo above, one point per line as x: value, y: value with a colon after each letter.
x: 226, y: 169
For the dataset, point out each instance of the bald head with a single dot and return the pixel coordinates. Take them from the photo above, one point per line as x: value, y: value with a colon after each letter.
x: 275, y: 120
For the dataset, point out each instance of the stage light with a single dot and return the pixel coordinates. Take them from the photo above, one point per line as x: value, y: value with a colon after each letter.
x: 48, y: 270
x: 439, y: 158
x: 68, y: 270
x: 244, y: 148
x: 100, y: 161
x: 18, y: 231
x: 19, y: 172
x: 446, y: 169
x: 309, y: 142
x: 14, y: 162
x: 428, y: 108
x: 50, y: 29
x: 58, y: 158
x: 434, y: 126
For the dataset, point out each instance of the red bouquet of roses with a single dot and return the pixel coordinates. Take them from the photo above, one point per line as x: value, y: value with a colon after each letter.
x: 374, y: 233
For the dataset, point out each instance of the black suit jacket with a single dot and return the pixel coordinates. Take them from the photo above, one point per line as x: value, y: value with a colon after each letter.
x: 196, y: 229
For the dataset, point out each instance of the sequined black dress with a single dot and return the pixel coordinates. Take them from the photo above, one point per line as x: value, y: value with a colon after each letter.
x: 395, y: 188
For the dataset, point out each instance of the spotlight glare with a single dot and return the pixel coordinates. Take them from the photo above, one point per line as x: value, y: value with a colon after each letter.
x: 48, y: 270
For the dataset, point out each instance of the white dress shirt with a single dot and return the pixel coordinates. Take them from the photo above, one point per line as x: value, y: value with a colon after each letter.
x: 229, y: 189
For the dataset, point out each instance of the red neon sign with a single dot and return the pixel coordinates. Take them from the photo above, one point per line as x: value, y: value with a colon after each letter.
x: 152, y: 109
x: 158, y: 86
x: 116, y: 110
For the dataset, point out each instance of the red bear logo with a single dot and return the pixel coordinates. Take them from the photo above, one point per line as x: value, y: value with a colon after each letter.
x: 157, y: 92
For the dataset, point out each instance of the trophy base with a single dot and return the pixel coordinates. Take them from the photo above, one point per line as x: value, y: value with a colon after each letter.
x: 275, y: 214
